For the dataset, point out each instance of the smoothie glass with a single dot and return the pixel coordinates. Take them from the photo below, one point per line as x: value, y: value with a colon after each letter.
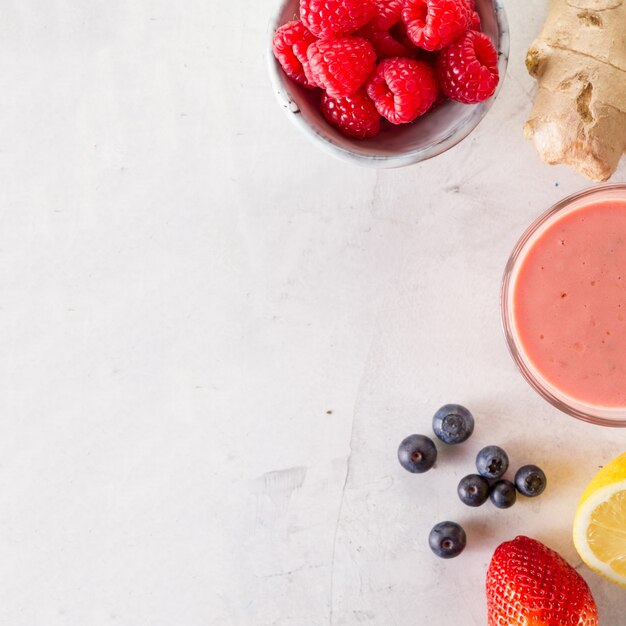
x: 580, y: 364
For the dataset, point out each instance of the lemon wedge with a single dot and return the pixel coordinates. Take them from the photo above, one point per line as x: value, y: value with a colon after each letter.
x: 600, y: 522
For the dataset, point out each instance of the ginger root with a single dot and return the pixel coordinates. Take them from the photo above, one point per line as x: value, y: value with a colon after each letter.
x: 579, y: 61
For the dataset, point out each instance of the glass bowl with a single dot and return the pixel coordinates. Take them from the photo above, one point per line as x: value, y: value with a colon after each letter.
x: 396, y: 146
x: 602, y: 415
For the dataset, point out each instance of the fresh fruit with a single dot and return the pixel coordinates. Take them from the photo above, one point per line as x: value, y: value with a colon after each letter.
x: 435, y: 24
x: 387, y: 14
x: 473, y: 490
x: 402, y: 89
x: 600, y: 522
x: 530, y: 480
x: 447, y: 539
x: 336, y: 44
x: 328, y: 18
x: 398, y: 32
x: 417, y: 453
x: 354, y: 116
x: 530, y: 585
x: 503, y: 494
x: 453, y: 423
x: 290, y: 44
x: 475, y: 23
x: 341, y: 65
x: 492, y: 462
x: 384, y: 43
x: 467, y: 70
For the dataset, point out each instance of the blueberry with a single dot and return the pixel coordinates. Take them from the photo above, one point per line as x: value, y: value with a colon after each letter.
x: 503, y: 494
x: 492, y: 462
x: 417, y: 453
x: 453, y: 423
x: 473, y: 490
x: 447, y: 539
x: 530, y: 480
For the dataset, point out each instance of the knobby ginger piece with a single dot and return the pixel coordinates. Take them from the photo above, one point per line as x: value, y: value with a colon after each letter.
x: 579, y: 61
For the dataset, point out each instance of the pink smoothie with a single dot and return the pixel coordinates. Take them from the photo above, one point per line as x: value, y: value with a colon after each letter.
x: 569, y: 304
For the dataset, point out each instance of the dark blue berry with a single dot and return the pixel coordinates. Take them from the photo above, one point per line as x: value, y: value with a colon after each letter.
x: 530, y: 480
x: 503, y: 494
x: 453, y: 423
x: 473, y: 490
x: 447, y: 539
x: 417, y: 453
x: 492, y: 462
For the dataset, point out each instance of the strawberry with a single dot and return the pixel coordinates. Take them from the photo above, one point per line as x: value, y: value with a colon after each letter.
x: 529, y: 584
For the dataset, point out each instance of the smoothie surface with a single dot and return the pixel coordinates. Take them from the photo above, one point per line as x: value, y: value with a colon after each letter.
x: 569, y: 303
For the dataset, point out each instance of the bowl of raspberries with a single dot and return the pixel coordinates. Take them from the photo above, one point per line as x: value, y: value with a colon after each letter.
x: 388, y: 83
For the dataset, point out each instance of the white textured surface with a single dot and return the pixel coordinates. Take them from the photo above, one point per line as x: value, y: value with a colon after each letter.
x: 213, y: 337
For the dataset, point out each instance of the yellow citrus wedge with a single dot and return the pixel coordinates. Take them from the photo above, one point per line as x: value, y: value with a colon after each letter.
x: 600, y: 522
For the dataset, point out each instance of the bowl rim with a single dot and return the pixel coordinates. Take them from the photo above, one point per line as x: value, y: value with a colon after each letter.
x: 283, y: 93
x: 602, y: 416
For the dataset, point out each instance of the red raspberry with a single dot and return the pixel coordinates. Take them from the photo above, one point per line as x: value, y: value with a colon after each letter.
x: 328, y: 18
x: 468, y: 69
x: 402, y: 89
x: 290, y: 44
x: 355, y: 115
x: 384, y: 43
x: 387, y: 14
x: 475, y: 21
x: 475, y: 24
x: 434, y: 24
x: 341, y: 65
x: 398, y: 32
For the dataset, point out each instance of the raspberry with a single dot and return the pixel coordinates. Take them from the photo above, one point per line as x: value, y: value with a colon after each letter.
x: 475, y: 21
x: 402, y: 89
x: 468, y: 69
x: 475, y: 24
x: 290, y: 44
x: 327, y: 18
x: 387, y: 14
x: 341, y: 65
x: 355, y: 115
x: 398, y: 32
x: 384, y: 43
x: 434, y: 24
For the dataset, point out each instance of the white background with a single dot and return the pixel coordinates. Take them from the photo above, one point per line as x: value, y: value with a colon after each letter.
x: 213, y: 337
